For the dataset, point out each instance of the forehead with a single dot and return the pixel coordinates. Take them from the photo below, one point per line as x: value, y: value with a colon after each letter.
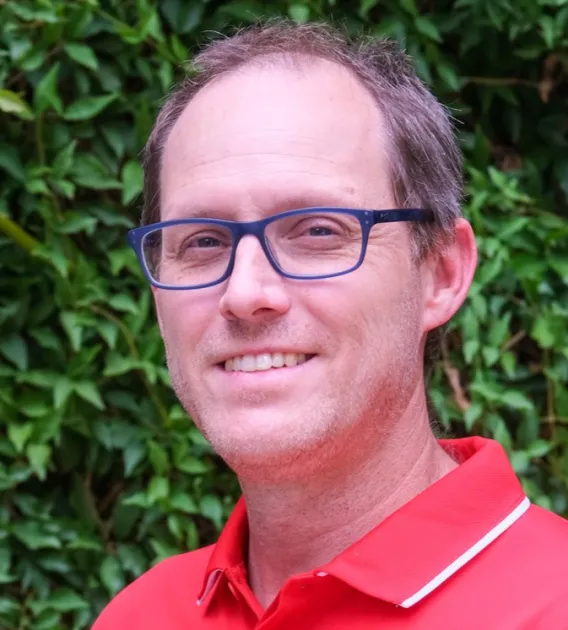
x: 265, y: 132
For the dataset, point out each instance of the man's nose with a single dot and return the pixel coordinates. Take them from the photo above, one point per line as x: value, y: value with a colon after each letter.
x: 255, y: 291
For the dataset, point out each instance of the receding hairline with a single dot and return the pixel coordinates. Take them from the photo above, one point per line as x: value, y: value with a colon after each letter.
x: 296, y: 61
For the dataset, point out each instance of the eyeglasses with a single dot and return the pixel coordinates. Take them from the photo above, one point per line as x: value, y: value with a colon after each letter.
x: 306, y: 244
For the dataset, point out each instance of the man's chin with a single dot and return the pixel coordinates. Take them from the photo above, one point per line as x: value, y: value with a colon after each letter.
x: 273, y: 451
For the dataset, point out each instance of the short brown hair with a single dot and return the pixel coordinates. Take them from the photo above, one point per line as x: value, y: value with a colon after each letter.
x: 426, y: 165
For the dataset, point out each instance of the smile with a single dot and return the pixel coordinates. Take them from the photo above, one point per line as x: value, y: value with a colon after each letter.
x: 265, y: 361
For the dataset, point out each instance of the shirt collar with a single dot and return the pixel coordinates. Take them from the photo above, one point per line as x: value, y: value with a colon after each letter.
x: 422, y: 544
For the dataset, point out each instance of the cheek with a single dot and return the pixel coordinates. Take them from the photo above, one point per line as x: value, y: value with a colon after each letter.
x: 183, y: 319
x: 379, y: 308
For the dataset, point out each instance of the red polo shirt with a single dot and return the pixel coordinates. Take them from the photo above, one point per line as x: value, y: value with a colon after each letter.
x: 468, y: 553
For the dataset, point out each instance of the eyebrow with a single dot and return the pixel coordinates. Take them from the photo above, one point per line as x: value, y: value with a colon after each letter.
x: 315, y: 199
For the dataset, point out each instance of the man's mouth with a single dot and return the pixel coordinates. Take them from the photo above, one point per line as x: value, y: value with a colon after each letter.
x: 265, y: 361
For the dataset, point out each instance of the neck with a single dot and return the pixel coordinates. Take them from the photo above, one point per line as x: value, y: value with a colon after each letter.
x: 296, y: 527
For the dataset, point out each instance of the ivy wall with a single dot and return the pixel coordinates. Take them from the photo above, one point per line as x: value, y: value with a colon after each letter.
x: 101, y: 472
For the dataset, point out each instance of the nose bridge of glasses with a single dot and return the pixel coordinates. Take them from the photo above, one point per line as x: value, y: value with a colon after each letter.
x: 254, y: 229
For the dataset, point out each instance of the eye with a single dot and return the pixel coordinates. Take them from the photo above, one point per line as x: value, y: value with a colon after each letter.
x: 320, y: 230
x: 204, y: 242
x: 318, y: 227
x: 206, y: 239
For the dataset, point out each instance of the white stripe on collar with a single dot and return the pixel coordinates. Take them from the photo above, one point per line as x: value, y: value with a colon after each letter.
x: 468, y: 555
x: 211, y: 581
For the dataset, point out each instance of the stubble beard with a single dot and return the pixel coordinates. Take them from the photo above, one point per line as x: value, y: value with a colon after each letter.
x: 316, y: 433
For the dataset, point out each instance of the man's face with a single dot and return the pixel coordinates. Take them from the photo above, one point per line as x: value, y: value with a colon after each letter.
x: 257, y: 142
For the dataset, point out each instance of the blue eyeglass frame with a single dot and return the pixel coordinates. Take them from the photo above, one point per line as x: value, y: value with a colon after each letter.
x: 238, y: 229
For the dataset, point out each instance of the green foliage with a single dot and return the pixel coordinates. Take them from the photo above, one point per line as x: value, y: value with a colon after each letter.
x: 101, y: 473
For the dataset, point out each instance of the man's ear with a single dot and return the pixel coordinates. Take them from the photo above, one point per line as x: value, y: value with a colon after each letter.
x: 447, y: 277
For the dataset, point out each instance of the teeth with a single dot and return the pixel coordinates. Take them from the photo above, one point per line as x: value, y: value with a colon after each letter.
x: 290, y: 359
x: 261, y: 362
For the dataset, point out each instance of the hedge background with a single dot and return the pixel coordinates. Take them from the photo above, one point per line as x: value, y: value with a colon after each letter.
x: 101, y: 473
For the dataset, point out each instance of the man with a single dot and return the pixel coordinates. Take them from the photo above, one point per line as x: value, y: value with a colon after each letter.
x: 303, y: 239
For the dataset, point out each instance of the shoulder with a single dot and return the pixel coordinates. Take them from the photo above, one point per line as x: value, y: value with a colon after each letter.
x: 532, y: 554
x: 539, y: 537
x: 163, y: 588
x: 541, y: 522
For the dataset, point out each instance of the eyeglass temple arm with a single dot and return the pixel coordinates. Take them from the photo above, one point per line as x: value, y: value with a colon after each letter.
x: 395, y: 216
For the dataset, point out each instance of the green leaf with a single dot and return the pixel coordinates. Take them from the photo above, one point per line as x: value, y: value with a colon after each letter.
x: 39, y: 378
x: 211, y: 508
x: 19, y: 434
x: 63, y: 160
x: 33, y: 536
x: 82, y: 54
x: 112, y: 575
x: 61, y: 391
x: 121, y: 258
x: 158, y: 458
x: 117, y: 365
x: 76, y: 223
x: 299, y: 12
x: 37, y: 186
x: 9, y: 606
x: 73, y: 328
x: 490, y: 355
x: 124, y: 303
x: 15, y: 349
x: 11, y: 103
x: 88, y: 107
x: 89, y: 172
x: 470, y: 349
x: 132, y: 181
x: 55, y: 258
x: 64, y: 187
x: 46, y: 94
x: 182, y: 16
x: 560, y: 265
x: 159, y: 488
x: 38, y: 456
x: 34, y: 405
x: 65, y: 600
x: 449, y: 77
x: 548, y: 30
x: 176, y: 526
x: 11, y: 163
x: 517, y: 400
x: 30, y: 14
x: 409, y: 6
x: 472, y: 414
x: 543, y: 332
x: 192, y: 536
x: 192, y: 466
x: 133, y: 559
x: 138, y: 499
x: 88, y: 391
x: 132, y: 455
x: 427, y: 28
x: 109, y: 332
x: 539, y: 448
x: 184, y: 503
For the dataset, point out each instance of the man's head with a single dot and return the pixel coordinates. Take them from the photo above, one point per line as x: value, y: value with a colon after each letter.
x: 285, y: 117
